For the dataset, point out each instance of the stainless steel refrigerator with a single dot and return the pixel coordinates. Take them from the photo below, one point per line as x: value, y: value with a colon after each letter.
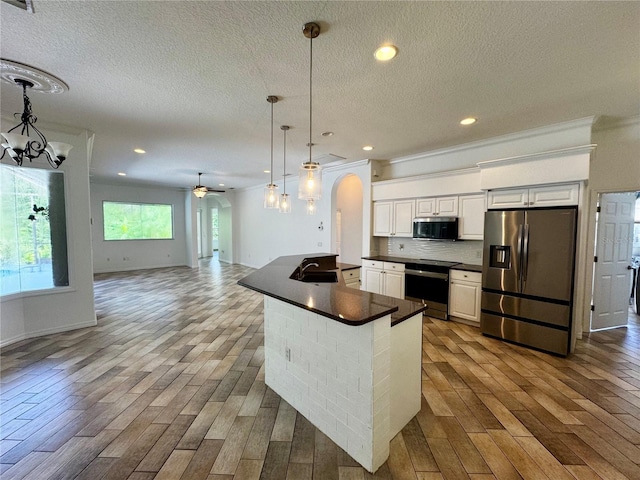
x: 527, y: 276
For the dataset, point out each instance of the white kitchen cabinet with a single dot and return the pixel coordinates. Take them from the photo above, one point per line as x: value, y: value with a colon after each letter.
x: 465, y: 290
x: 543, y: 196
x: 443, y: 206
x: 385, y: 278
x: 471, y: 219
x: 393, y: 218
x: 352, y: 278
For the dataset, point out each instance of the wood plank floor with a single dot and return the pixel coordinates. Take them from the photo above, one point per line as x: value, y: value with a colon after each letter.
x: 170, y: 385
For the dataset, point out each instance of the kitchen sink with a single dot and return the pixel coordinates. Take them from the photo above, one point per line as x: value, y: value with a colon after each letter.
x: 319, y: 277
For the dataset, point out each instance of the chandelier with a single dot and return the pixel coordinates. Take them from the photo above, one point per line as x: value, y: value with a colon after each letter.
x: 310, y: 173
x: 25, y: 141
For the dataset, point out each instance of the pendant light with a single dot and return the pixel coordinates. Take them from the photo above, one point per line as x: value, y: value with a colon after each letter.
x: 285, y: 201
x: 271, y: 198
x: 311, y: 207
x: 310, y: 176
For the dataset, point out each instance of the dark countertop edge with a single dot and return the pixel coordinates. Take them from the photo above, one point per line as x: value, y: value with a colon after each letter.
x: 347, y: 266
x: 351, y: 323
x: 395, y: 320
x: 468, y: 267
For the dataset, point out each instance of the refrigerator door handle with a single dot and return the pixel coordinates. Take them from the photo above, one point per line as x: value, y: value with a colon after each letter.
x: 525, y: 254
x: 519, y: 256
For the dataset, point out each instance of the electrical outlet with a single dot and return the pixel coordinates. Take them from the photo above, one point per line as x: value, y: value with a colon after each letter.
x: 401, y: 246
x: 319, y: 244
x: 478, y: 254
x: 287, y: 353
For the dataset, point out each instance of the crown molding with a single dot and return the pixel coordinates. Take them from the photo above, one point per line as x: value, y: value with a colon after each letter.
x: 510, y: 137
x: 563, y: 152
x: 426, y: 176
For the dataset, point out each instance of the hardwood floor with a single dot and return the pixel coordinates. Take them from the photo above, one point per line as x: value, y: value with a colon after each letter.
x: 170, y: 385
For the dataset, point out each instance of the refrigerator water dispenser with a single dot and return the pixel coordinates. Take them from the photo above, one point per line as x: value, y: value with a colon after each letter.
x: 500, y: 256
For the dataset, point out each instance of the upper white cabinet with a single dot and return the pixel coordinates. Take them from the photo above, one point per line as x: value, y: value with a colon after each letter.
x: 471, y: 218
x: 393, y: 218
x: 445, y: 206
x: 546, y: 196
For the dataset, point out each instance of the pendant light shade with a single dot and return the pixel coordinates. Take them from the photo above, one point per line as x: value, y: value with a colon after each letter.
x: 310, y: 174
x: 285, y: 201
x: 311, y: 207
x: 271, y: 197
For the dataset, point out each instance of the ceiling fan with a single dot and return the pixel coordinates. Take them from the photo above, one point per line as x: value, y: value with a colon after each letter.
x: 200, y: 190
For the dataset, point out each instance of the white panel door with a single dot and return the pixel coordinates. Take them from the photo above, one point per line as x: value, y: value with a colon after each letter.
x: 612, y: 275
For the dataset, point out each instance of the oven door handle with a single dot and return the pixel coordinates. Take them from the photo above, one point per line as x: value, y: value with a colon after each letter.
x: 422, y: 273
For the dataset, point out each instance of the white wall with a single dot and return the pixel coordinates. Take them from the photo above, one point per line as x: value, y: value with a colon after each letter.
x: 349, y: 202
x: 615, y: 167
x: 33, y: 314
x: 261, y: 235
x: 114, y: 256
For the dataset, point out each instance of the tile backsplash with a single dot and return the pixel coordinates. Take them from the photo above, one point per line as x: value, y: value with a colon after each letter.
x: 467, y: 251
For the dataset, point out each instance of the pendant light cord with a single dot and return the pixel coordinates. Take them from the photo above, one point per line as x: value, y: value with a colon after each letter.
x: 310, y: 92
x: 284, y: 163
x: 271, y: 144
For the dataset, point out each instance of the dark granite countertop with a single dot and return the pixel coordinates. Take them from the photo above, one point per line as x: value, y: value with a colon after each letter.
x: 468, y: 267
x: 333, y: 300
x: 347, y: 266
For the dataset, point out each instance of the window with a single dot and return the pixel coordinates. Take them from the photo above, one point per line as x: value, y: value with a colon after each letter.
x: 33, y: 230
x: 137, y: 221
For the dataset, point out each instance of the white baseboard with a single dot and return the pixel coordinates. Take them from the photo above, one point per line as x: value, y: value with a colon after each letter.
x: 139, y: 267
x: 48, y: 331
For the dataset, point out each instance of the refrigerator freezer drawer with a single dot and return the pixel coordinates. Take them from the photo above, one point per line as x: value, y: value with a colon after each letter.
x: 528, y: 334
x: 539, y: 311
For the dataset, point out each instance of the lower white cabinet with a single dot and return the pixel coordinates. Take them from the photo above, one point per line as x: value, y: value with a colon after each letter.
x: 385, y: 278
x: 465, y: 290
x: 352, y: 278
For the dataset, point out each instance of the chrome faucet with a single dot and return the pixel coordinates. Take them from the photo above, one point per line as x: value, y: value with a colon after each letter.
x: 302, y: 269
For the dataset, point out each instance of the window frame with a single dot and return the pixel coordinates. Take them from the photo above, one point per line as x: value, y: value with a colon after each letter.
x: 173, y: 230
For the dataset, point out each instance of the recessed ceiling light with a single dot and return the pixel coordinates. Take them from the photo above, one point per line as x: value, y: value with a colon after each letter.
x: 468, y: 121
x: 327, y: 134
x: 386, y: 53
x: 139, y: 150
x: 267, y: 171
x: 367, y: 148
x: 221, y: 184
x: 122, y: 174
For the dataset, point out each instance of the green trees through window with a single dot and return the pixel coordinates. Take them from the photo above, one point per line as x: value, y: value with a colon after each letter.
x: 137, y: 221
x: 33, y: 234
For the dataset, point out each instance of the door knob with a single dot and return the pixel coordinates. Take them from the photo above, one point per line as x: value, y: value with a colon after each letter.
x: 629, y: 267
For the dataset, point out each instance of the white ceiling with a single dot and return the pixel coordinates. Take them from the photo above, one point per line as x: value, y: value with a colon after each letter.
x: 187, y: 81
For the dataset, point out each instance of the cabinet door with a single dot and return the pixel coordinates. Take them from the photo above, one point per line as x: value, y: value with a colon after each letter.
x: 394, y: 284
x: 471, y: 219
x: 403, y: 213
x: 512, y: 198
x: 554, y: 195
x: 382, y: 217
x: 465, y: 300
x: 425, y: 207
x: 447, y: 206
x: 372, y: 280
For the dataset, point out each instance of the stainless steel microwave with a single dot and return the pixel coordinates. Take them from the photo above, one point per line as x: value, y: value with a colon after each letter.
x: 435, y: 228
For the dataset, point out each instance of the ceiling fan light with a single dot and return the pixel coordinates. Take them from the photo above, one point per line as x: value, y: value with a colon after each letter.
x: 199, y: 191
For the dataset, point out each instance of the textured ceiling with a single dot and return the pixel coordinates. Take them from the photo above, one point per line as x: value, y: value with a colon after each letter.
x: 187, y: 81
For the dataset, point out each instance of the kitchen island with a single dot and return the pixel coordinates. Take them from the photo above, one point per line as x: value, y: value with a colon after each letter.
x: 348, y: 360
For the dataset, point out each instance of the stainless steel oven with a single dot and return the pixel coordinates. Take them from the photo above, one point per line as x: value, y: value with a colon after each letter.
x: 427, y: 281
